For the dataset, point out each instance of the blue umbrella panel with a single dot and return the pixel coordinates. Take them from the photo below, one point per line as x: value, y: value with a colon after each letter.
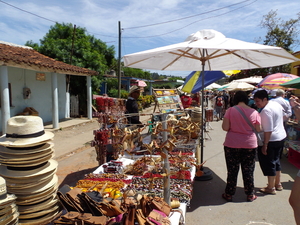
x: 193, y: 82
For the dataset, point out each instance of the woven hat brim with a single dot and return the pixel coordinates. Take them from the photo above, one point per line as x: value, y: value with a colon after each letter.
x: 35, y: 200
x: 41, y: 220
x: 38, y: 195
x: 26, y: 142
x: 29, y: 181
x: 39, y: 213
x: 49, y: 166
x: 26, y: 163
x: 9, y: 199
x: 17, y: 158
x: 36, y: 189
x: 21, y: 152
x: 13, y: 186
x: 38, y: 207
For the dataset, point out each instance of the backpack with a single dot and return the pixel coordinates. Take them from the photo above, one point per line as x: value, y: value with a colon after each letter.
x: 219, y: 101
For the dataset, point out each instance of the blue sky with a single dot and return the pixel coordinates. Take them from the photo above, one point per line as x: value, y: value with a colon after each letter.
x: 145, y: 24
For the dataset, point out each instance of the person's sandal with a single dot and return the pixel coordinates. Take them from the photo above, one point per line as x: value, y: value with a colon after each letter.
x: 251, y: 198
x: 267, y: 190
x: 227, y: 197
x: 279, y: 187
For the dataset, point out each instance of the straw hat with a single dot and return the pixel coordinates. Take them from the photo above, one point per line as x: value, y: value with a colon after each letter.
x: 37, y: 196
x: 134, y: 88
x: 29, y: 181
x: 3, y: 191
x: 25, y: 172
x: 24, y: 131
x: 26, y: 163
x: 42, y: 219
x: 52, y: 201
x: 10, y: 217
x: 36, y: 189
x: 39, y: 213
x: 26, y: 150
x: 12, y: 186
x: 36, y: 200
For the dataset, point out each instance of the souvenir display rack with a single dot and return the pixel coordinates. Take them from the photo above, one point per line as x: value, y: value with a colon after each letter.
x: 293, y: 142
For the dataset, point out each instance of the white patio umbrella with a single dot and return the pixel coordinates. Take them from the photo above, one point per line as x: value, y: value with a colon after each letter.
x: 212, y: 86
x: 239, y: 86
x: 251, y: 80
x: 208, y: 50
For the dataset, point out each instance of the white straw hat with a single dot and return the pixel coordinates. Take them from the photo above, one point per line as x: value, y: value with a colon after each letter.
x: 134, y: 88
x: 23, y: 172
x: 23, y: 131
x: 42, y: 219
x: 26, y: 150
x: 36, y: 189
x: 26, y: 162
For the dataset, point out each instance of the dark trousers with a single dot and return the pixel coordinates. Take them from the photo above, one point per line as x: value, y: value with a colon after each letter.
x: 270, y: 163
x: 234, y: 158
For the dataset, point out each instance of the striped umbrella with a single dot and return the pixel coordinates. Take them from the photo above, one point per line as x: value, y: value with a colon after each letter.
x: 273, y: 81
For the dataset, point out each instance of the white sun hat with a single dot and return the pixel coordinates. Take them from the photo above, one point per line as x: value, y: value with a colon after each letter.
x: 26, y: 172
x: 24, y: 131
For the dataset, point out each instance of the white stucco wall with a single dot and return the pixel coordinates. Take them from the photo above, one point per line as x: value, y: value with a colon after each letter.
x: 41, y: 93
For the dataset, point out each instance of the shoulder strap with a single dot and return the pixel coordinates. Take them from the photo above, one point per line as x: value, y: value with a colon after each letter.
x: 246, y: 118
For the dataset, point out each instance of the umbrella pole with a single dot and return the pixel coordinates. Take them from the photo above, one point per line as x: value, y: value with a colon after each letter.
x: 167, y: 192
x: 202, y: 173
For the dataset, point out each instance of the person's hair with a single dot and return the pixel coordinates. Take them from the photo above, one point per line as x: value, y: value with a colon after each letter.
x: 261, y: 94
x: 240, y: 96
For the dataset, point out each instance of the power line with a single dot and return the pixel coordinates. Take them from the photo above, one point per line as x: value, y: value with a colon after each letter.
x: 188, y: 17
x: 193, y: 22
x: 28, y: 12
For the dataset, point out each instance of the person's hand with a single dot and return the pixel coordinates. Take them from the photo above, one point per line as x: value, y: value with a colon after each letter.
x: 264, y: 149
x: 294, y: 101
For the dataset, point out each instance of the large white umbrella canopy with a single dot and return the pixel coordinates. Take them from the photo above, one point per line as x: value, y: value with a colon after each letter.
x: 239, y: 86
x: 209, y: 50
x: 251, y: 80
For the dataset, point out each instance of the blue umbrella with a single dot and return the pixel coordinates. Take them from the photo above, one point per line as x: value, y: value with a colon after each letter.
x: 193, y: 82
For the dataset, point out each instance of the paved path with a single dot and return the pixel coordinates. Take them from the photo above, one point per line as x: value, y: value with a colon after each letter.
x: 208, y: 207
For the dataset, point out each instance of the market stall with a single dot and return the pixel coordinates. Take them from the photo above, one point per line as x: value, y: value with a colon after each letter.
x: 138, y: 169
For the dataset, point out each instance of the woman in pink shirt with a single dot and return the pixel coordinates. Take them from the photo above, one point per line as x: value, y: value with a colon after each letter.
x: 240, y: 145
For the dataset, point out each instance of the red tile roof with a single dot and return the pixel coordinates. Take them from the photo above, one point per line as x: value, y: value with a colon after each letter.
x: 27, y: 58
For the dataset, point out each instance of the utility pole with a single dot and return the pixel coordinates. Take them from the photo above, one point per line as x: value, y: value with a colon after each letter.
x: 119, y: 63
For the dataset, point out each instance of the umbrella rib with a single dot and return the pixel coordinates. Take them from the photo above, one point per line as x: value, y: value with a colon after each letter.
x: 183, y: 53
x: 272, y: 54
x: 138, y: 61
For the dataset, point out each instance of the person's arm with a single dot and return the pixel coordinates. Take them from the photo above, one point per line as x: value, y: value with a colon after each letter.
x: 294, y: 102
x: 267, y: 136
x: 225, y: 124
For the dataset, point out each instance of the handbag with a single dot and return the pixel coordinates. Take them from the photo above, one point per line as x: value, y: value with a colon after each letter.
x: 259, y: 140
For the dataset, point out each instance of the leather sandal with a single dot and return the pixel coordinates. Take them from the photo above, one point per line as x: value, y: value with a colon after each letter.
x: 267, y: 190
x: 279, y: 187
x: 251, y: 198
x: 227, y: 197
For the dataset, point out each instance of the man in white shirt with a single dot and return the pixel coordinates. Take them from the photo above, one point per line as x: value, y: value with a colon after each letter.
x: 280, y: 94
x: 273, y: 138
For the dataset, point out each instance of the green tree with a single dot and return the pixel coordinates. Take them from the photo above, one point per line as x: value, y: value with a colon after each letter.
x: 279, y: 33
x: 76, y: 47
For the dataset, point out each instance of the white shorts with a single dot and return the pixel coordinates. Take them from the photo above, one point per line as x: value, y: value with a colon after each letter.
x: 298, y: 174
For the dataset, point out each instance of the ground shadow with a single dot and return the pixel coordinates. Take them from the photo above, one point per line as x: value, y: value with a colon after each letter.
x: 72, y: 178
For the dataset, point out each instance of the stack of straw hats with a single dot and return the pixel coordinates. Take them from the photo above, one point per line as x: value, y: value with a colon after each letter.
x: 29, y: 170
x: 8, y: 208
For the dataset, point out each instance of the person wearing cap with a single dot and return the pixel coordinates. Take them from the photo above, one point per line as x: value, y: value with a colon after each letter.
x: 132, y: 105
x: 186, y: 100
x: 273, y: 138
x: 278, y: 96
